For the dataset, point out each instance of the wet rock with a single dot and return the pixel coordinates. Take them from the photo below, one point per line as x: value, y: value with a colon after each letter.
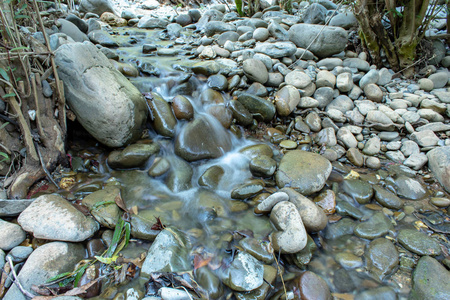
x: 291, y: 236
x: 430, y: 280
x: 312, y: 287
x: 218, y: 82
x: 410, y: 188
x: 314, y: 219
x: 418, y: 242
x: 180, y: 175
x: 331, y: 40
x: 326, y: 201
x: 202, y: 139
x: 54, y: 218
x: 141, y: 228
x: 439, y: 164
x: 159, y: 167
x: 164, y: 121
x: 387, y: 198
x: 267, y: 204
x: 106, y: 103
x: 378, y: 225
x: 245, y: 273
x: 150, y: 22
x: 382, y: 258
x: 270, y: 274
x: 96, y: 6
x: 384, y: 292
x: 11, y: 235
x: 345, y: 208
x: 133, y: 156
x: 222, y: 114
x: 102, y: 206
x: 209, y: 282
x: 44, y: 263
x: 257, y: 249
x: 240, y: 113
x: 258, y: 106
x: 355, y: 157
x: 286, y: 100
x: 247, y: 189
x: 168, y: 253
x: 263, y: 166
x: 342, y: 227
x: 182, y: 108
x: 303, y: 171
x: 359, y: 190
x: 211, y: 177
x: 348, y: 260
x: 256, y: 151
x: 302, y: 258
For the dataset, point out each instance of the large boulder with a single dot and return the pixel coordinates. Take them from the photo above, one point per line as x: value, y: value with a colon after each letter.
x: 331, y: 40
x: 439, y: 164
x: 44, y: 263
x: 303, y: 171
x: 105, y: 102
x: 430, y: 280
x: 96, y: 6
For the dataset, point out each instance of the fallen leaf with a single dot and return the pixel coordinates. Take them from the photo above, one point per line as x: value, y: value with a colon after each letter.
x: 120, y: 203
x: 200, y: 261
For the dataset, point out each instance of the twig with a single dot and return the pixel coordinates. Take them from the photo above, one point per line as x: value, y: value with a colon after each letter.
x: 49, y: 176
x: 17, y: 282
x: 279, y: 272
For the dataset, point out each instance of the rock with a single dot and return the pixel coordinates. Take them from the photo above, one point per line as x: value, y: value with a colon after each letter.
x: 377, y: 226
x: 44, y: 263
x: 54, y: 218
x: 247, y: 189
x: 439, y: 164
x: 324, y: 96
x: 303, y: 171
x: 106, y: 214
x: 345, y: 20
x: 359, y: 190
x: 113, y: 20
x: 439, y: 79
x: 326, y: 136
x: 263, y: 166
x: 355, y: 157
x: 416, y: 161
x: 372, y: 146
x: 72, y: 31
x: 106, y: 103
x: 11, y: 235
x: 373, y: 162
x: 164, y: 121
x: 426, y: 84
x: 298, y: 79
x: 313, y: 217
x: 267, y: 204
x: 103, y: 38
x: 202, y: 138
x: 19, y: 254
x: 277, y: 31
x: 149, y: 22
x: 373, y: 92
x: 383, y: 292
x: 245, y: 273
x: 80, y: 23
x: 291, y: 235
x: 180, y: 175
x: 357, y: 63
x: 96, y: 6
x: 255, y: 70
x: 257, y: 150
x: 209, y: 282
x: 286, y: 100
x: 344, y: 226
x: 276, y: 50
x: 222, y: 114
x: 382, y: 258
x: 331, y: 40
x: 183, y: 19
x: 168, y: 253
x: 261, y: 34
x: 133, y: 156
x: 214, y: 27
x: 325, y: 78
x: 387, y: 198
x: 315, y: 14
x: 418, y: 242
x: 379, y: 117
x: 13, y: 207
x: 312, y: 287
x: 410, y: 188
x: 182, y: 108
x: 430, y: 280
x: 344, y: 82
x: 346, y: 137
x: 258, y: 106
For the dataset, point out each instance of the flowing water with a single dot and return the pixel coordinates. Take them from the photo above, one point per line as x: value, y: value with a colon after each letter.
x: 210, y: 217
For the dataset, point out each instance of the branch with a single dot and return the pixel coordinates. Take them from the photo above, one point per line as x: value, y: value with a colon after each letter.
x: 17, y: 282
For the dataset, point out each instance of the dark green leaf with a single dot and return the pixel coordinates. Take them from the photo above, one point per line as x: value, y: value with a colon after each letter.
x: 80, y: 274
x: 20, y: 48
x: 4, y: 74
x: 9, y: 95
x: 59, y: 276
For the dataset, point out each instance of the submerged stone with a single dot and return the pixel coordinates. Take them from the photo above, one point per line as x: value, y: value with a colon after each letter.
x: 418, y: 242
x: 378, y: 225
x: 382, y: 258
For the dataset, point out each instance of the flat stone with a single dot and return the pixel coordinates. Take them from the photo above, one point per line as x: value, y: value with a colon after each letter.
x: 377, y: 226
x: 418, y: 242
x: 382, y: 258
x: 11, y: 235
